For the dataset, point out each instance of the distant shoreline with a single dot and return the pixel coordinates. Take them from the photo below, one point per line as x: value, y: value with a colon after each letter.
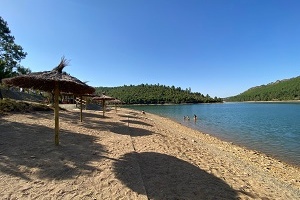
x: 168, y: 104
x: 286, y: 101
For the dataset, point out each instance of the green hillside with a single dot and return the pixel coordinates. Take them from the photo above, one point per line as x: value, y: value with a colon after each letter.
x: 155, y: 94
x: 284, y: 90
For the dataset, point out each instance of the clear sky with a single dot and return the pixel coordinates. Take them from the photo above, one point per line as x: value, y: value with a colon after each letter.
x: 215, y: 47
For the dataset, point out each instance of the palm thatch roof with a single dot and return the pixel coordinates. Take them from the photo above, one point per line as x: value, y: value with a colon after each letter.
x: 116, y: 101
x: 55, y: 81
x: 46, y: 81
x: 103, y: 97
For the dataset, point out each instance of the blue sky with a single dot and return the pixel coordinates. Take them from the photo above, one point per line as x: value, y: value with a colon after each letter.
x: 215, y: 47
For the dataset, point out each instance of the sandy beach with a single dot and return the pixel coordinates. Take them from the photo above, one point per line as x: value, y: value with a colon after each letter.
x: 130, y: 155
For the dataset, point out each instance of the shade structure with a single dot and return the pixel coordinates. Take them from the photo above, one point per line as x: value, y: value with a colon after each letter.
x: 54, y: 81
x: 103, y: 98
x: 47, y: 81
x: 116, y: 101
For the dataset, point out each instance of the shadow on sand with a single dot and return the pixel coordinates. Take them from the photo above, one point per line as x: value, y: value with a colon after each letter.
x: 167, y: 177
x: 119, y: 127
x: 32, y: 147
x: 138, y: 122
x: 131, y: 116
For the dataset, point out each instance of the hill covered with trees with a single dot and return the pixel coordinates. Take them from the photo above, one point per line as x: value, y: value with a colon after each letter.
x: 155, y: 94
x: 283, y: 90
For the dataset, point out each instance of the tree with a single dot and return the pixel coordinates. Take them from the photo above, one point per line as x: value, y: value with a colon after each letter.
x: 10, y: 54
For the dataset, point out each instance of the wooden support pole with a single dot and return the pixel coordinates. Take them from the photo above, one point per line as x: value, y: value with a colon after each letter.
x: 81, y: 108
x: 128, y: 119
x: 56, y: 113
x: 103, y: 106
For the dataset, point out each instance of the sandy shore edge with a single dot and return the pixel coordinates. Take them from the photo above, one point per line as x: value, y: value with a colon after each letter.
x: 129, y: 155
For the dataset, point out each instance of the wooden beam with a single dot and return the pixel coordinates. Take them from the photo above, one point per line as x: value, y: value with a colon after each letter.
x: 103, y: 106
x: 81, y: 108
x: 56, y: 113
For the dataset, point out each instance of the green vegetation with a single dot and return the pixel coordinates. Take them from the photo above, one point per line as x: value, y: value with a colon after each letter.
x: 9, y: 105
x: 155, y: 94
x: 283, y: 90
x: 10, y: 54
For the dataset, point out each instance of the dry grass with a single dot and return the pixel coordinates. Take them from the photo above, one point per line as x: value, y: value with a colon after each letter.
x: 10, y: 105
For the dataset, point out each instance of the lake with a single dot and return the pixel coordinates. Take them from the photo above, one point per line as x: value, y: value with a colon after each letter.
x: 271, y: 128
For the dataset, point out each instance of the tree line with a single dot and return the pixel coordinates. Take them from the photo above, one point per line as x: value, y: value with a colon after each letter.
x: 155, y: 94
x: 281, y: 90
x: 11, y: 54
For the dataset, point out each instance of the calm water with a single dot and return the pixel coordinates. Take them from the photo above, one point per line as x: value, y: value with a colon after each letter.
x: 271, y: 128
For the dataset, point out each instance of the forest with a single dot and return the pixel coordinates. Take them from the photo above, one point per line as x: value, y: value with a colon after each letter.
x: 155, y: 94
x: 281, y: 90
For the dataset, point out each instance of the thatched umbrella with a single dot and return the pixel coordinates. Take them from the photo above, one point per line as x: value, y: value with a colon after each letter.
x: 116, y: 101
x: 54, y: 81
x: 103, y: 98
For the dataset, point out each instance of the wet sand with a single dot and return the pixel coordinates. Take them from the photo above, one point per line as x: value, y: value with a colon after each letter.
x: 130, y: 155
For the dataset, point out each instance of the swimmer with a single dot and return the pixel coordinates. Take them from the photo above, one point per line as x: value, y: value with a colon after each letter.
x: 195, y: 117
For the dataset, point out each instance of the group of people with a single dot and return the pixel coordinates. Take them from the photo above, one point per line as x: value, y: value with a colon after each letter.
x: 188, y: 118
x: 184, y: 117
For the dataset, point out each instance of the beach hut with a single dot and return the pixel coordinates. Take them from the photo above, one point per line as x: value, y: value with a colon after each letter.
x: 103, y: 98
x: 54, y: 81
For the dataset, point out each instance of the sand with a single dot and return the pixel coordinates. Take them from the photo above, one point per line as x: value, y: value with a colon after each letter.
x: 130, y: 155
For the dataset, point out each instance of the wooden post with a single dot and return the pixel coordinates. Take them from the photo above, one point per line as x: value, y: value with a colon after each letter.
x: 56, y: 113
x: 103, y: 106
x: 81, y: 108
x: 128, y: 119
